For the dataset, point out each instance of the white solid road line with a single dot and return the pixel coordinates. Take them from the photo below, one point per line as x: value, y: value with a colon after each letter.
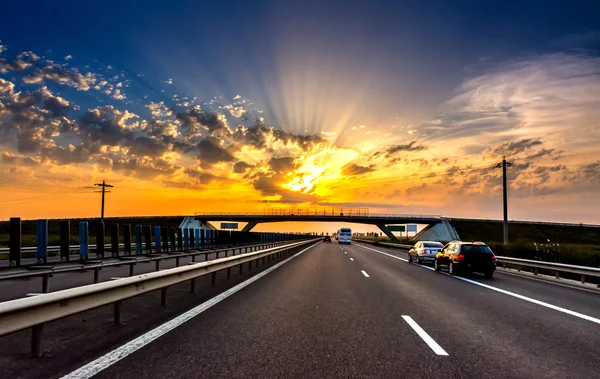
x: 352, y: 259
x: 513, y: 294
x: 423, y: 334
x: 123, y: 351
x: 365, y: 273
x: 381, y: 252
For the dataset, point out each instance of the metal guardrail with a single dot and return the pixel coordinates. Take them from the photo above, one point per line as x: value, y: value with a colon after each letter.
x: 551, y: 266
x: 33, y: 249
x: 520, y: 262
x: 48, y: 270
x: 528, y: 222
x: 33, y: 312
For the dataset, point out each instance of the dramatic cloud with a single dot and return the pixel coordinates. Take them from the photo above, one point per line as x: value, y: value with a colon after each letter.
x: 241, y: 167
x: 353, y: 169
x: 61, y: 75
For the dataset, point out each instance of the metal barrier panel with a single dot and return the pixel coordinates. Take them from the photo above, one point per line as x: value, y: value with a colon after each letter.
x: 127, y: 239
x: 172, y: 238
x: 180, y: 239
x: 202, y: 239
x: 65, y: 240
x: 192, y: 242
x: 208, y: 241
x: 15, y: 242
x: 100, y: 240
x: 138, y: 239
x: 164, y: 233
x: 148, y: 238
x: 83, y: 241
x: 186, y: 239
x: 42, y: 241
x: 114, y: 239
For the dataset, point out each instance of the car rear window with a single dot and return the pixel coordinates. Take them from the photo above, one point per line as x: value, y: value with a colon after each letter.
x: 476, y: 249
x: 436, y: 245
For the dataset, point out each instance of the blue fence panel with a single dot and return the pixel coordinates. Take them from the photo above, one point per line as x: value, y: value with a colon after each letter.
x: 157, y: 238
x: 186, y: 239
x: 84, y: 241
x: 197, y: 238
x: 42, y: 241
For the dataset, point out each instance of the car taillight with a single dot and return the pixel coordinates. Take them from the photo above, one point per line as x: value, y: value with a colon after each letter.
x: 494, y: 258
x: 460, y: 257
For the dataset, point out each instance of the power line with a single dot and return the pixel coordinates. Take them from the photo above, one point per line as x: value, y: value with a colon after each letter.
x: 104, y: 186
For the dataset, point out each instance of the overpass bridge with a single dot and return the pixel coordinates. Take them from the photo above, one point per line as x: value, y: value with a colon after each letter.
x: 437, y: 228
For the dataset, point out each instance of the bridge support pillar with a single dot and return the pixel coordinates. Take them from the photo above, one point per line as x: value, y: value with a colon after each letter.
x: 249, y: 226
x: 387, y: 232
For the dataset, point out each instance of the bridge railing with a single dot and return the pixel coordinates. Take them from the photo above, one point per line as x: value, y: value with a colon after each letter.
x: 322, y: 214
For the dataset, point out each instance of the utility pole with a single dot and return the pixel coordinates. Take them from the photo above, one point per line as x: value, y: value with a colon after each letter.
x: 503, y: 165
x: 104, y: 186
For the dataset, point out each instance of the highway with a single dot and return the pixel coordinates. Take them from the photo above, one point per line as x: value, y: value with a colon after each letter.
x: 340, y: 311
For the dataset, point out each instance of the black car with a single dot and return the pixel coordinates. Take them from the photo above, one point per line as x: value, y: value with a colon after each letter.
x: 326, y: 239
x: 466, y: 257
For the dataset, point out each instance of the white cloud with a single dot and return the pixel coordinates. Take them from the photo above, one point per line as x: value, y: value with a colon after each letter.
x: 555, y: 97
x: 68, y: 57
x: 118, y: 95
x: 169, y: 81
x: 237, y: 97
x: 2, y: 47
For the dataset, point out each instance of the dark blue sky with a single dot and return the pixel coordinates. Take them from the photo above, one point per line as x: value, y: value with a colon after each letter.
x: 411, y: 55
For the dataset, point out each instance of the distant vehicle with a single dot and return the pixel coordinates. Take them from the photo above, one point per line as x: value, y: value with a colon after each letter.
x: 466, y: 257
x: 326, y: 239
x: 344, y: 235
x: 425, y: 251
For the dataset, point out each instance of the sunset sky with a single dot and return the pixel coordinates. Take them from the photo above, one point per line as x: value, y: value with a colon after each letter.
x: 399, y: 107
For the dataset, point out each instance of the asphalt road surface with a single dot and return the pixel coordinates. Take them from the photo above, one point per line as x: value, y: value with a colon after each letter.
x: 359, y: 311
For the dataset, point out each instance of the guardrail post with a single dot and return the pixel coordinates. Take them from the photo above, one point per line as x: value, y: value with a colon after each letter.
x: 582, y: 279
x: 100, y: 240
x: 83, y: 241
x: 163, y: 296
x: 15, y: 242
x: 42, y: 241
x: 157, y: 238
x: 36, y: 341
x: 192, y: 243
x: 65, y: 240
x: 172, y: 238
x: 127, y: 239
x: 148, y: 238
x: 202, y: 238
x: 197, y: 238
x: 114, y: 239
x: 118, y: 312
x: 180, y: 240
x: 165, y: 238
x: 138, y: 239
